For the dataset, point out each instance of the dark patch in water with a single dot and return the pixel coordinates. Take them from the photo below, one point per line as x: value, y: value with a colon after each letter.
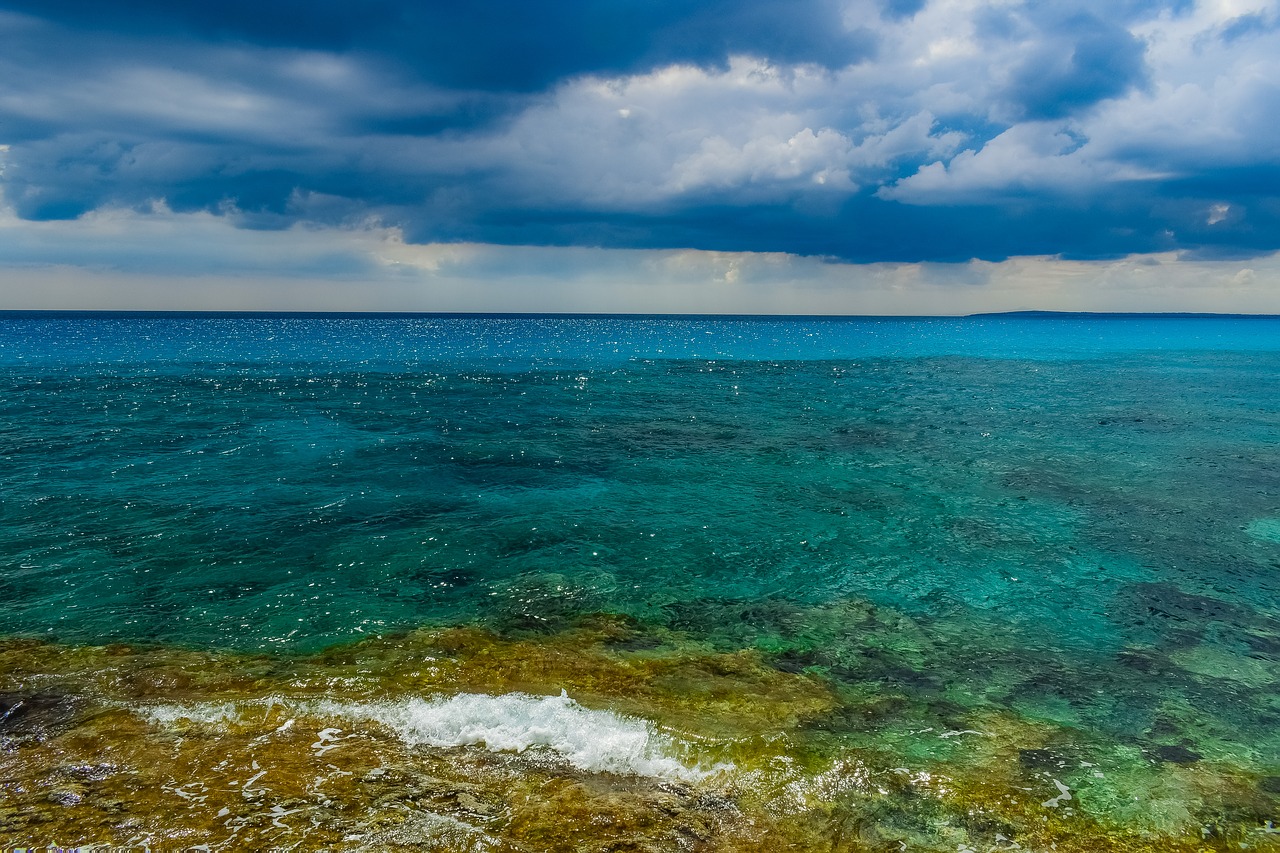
x: 1179, y: 619
x: 989, y: 827
x: 634, y: 644
x: 1267, y: 645
x: 1041, y: 759
x: 236, y: 589
x: 912, y: 679
x: 795, y: 661
x: 853, y: 437
x: 1177, y: 754
x: 1270, y: 784
x: 720, y: 616
x: 35, y: 715
x: 1044, y: 684
x: 453, y: 576
x: 1142, y: 660
x: 1167, y: 602
x: 542, y: 603
x: 524, y: 545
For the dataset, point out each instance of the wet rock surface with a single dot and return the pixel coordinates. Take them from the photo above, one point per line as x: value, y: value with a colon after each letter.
x: 839, y: 729
x: 35, y: 715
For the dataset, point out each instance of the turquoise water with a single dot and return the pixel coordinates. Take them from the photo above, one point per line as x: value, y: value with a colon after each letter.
x: 1080, y: 516
x: 261, y: 482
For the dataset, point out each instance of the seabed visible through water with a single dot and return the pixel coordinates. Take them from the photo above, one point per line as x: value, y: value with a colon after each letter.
x: 642, y: 585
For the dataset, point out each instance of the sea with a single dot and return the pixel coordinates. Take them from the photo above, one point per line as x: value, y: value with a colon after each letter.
x: 602, y: 583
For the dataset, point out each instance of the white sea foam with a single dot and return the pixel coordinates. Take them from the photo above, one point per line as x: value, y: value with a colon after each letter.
x: 595, y: 741
x: 590, y: 740
x: 204, y: 712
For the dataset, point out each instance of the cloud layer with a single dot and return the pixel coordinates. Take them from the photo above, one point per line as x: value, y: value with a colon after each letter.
x: 863, y: 131
x: 163, y: 260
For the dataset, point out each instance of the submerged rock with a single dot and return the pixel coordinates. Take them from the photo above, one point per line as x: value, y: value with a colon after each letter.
x: 35, y: 715
x: 1041, y: 759
x: 1177, y: 754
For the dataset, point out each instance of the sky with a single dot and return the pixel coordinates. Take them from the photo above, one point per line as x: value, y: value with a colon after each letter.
x: 651, y: 156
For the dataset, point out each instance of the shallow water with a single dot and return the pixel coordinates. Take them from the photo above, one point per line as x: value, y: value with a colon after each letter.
x: 839, y: 584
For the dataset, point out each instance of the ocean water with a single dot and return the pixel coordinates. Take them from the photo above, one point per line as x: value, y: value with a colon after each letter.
x: 484, y: 583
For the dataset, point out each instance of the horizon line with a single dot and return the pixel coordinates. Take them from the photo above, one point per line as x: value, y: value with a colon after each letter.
x: 122, y: 313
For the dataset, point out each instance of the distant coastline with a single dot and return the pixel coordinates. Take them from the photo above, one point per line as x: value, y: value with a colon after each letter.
x: 1107, y: 315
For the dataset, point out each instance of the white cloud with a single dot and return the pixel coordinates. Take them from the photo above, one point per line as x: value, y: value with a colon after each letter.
x: 820, y: 158
x: 1212, y: 103
x: 1026, y: 159
x: 754, y: 128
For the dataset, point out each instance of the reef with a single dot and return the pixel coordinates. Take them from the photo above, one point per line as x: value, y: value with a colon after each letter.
x: 837, y: 727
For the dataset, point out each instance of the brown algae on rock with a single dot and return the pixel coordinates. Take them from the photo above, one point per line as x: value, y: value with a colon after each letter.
x: 461, y: 739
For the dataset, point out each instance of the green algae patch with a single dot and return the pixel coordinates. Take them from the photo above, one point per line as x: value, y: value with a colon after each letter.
x: 609, y: 734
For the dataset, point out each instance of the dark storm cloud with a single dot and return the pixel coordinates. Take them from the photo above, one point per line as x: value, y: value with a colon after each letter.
x: 503, y: 44
x: 862, y: 130
x: 867, y: 230
x: 1079, y: 61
